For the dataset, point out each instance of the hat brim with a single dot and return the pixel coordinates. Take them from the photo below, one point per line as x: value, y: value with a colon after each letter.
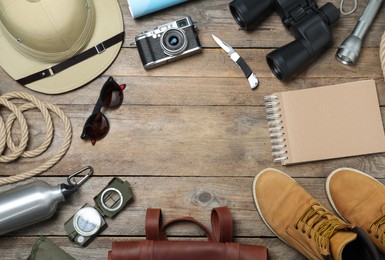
x: 108, y: 23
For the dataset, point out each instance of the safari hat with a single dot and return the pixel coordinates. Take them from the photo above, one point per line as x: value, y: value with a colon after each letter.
x: 54, y: 46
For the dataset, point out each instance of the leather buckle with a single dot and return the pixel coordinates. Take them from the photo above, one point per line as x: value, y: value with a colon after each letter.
x: 100, y: 48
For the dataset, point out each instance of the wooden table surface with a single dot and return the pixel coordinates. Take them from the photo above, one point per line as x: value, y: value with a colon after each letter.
x: 190, y: 135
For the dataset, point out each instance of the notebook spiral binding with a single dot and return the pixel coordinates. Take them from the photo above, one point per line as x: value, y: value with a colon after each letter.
x: 276, y: 129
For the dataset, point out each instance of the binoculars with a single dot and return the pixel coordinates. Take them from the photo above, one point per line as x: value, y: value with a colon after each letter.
x: 309, y: 24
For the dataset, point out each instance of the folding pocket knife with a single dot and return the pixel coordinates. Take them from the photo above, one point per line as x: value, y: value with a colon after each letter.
x: 253, y: 81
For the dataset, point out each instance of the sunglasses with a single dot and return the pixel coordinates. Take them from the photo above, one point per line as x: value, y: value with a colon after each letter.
x: 97, y: 126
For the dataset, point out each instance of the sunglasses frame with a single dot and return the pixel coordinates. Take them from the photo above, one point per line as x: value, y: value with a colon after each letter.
x: 97, y: 110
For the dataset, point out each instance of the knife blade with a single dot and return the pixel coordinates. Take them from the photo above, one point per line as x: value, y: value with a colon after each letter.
x: 234, y: 56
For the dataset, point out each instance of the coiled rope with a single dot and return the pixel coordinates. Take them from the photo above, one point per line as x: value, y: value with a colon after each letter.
x: 20, y: 150
x: 382, y: 53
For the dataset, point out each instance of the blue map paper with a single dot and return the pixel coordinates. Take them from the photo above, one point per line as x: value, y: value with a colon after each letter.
x: 142, y: 7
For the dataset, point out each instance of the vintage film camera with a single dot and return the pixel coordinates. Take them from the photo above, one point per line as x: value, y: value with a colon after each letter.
x: 310, y: 25
x: 168, y: 42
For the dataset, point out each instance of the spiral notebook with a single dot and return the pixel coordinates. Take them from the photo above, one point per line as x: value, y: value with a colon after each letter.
x: 325, y: 122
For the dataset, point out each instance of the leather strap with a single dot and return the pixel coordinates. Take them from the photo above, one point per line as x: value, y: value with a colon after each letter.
x: 97, y: 49
x: 153, y: 224
x: 222, y: 224
x: 210, y: 237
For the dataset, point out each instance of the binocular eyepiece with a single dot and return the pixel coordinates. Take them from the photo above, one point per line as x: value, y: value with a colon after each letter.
x: 309, y: 24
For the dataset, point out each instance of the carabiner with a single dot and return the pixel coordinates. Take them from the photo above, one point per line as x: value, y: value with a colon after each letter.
x: 86, y: 177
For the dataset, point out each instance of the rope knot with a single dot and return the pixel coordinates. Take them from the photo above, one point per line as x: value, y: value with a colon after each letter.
x: 20, y: 150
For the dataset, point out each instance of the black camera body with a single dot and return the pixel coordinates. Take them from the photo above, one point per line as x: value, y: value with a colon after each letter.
x: 310, y: 25
x: 168, y: 42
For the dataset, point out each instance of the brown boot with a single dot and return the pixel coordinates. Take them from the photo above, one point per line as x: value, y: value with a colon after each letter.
x: 359, y: 199
x: 303, y: 223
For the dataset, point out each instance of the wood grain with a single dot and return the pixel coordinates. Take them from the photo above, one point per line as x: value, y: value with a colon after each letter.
x: 176, y: 141
x: 190, y: 135
x: 176, y: 196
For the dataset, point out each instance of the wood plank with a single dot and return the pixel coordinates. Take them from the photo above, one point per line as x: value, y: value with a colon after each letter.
x: 177, y: 197
x: 176, y: 141
x: 192, y: 200
x: 190, y: 135
x: 186, y: 91
x: 215, y: 63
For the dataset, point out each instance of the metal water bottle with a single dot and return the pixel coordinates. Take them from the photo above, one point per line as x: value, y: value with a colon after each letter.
x: 35, y: 202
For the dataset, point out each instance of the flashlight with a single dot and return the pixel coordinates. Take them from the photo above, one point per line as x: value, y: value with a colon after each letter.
x: 350, y: 49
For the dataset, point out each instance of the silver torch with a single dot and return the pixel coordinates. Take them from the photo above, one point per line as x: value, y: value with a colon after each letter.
x: 350, y: 48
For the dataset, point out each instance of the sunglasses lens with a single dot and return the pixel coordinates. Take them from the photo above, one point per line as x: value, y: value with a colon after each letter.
x: 111, y: 94
x: 96, y: 126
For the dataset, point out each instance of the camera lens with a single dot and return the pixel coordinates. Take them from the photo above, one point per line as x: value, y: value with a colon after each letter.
x: 174, y: 42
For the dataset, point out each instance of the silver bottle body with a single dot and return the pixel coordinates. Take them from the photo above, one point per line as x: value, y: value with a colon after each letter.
x: 28, y: 204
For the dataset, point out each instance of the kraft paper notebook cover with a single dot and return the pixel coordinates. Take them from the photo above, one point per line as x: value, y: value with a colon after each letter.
x: 325, y: 122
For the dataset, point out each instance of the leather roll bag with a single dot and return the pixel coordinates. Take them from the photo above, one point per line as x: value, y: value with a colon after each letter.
x: 157, y: 247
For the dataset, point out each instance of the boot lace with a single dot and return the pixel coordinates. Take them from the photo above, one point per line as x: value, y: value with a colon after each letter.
x: 328, y: 224
x: 377, y: 223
